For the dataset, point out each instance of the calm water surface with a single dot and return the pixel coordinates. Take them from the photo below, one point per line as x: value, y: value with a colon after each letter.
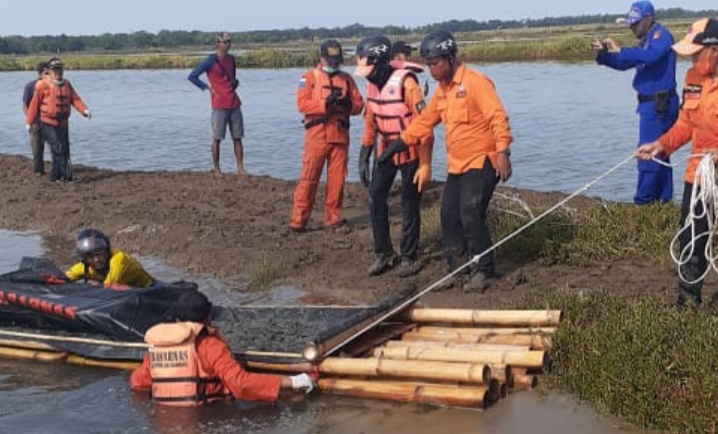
x: 39, y: 398
x: 571, y: 122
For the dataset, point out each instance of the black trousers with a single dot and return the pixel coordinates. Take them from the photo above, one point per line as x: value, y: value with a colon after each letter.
x: 37, y: 145
x: 464, y: 232
x: 58, y: 139
x: 382, y: 179
x: 697, y: 264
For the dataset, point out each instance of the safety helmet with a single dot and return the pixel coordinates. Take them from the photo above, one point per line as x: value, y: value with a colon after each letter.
x: 55, y: 63
x: 372, y: 51
x: 91, y: 240
x: 331, y: 50
x: 438, y: 44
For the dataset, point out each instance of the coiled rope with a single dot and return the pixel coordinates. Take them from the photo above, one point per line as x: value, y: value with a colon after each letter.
x: 476, y: 258
x: 703, y: 205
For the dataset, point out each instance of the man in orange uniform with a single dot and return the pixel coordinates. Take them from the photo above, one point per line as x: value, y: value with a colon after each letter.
x: 53, y: 98
x: 189, y: 363
x: 477, y: 137
x: 394, y: 99
x: 697, y: 123
x: 326, y: 97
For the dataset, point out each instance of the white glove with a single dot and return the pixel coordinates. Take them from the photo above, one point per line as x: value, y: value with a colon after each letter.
x: 302, y: 382
x: 87, y: 113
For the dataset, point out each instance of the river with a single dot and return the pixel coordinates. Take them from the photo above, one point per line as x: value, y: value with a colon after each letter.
x: 571, y: 123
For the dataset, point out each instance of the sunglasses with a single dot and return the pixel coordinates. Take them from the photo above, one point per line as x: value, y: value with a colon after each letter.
x: 225, y: 41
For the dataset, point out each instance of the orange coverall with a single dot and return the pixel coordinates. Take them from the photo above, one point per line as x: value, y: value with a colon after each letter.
x: 326, y: 139
x: 217, y: 360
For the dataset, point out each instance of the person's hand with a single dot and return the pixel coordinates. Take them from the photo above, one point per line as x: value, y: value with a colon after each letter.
x: 648, y: 151
x: 393, y: 148
x: 714, y: 154
x: 503, y: 166
x: 87, y: 114
x: 302, y: 382
x: 422, y: 177
x: 610, y: 45
x: 364, y: 156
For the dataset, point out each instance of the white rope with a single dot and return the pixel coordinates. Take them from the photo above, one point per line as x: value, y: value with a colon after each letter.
x: 704, y: 197
x: 476, y: 258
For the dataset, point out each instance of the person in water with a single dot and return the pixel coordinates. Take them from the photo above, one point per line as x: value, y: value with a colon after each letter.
x: 100, y: 263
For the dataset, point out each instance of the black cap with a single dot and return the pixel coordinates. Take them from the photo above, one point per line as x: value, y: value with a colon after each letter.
x: 402, y: 47
x: 192, y: 306
x: 331, y: 50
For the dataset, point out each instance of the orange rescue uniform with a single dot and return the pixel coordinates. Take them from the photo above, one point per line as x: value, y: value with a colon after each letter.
x: 697, y: 121
x: 474, y: 128
x: 326, y: 139
x: 216, y: 362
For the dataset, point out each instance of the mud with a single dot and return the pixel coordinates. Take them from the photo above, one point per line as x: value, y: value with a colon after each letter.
x: 227, y: 227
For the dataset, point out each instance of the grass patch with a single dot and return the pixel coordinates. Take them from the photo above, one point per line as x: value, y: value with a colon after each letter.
x: 266, y: 270
x: 636, y: 358
x: 598, y: 233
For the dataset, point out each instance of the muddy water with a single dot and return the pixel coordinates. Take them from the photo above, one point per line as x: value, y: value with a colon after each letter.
x: 57, y: 398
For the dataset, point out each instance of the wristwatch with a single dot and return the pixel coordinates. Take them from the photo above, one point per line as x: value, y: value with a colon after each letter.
x: 506, y: 151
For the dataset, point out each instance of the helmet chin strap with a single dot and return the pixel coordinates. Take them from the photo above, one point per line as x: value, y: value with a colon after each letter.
x: 380, y: 75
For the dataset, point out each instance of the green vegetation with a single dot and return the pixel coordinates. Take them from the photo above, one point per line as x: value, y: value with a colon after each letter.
x: 560, y: 39
x: 266, y: 271
x: 599, y: 233
x: 638, y: 359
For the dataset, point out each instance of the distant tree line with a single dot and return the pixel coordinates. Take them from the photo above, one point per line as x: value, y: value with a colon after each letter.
x: 179, y: 39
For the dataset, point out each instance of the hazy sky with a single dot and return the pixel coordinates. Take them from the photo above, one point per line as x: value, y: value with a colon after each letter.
x: 92, y: 17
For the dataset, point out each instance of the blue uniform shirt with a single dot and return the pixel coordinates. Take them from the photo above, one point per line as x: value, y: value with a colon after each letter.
x: 653, y: 58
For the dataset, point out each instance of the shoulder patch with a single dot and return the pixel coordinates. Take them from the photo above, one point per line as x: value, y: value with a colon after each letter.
x: 657, y: 34
x: 302, y: 82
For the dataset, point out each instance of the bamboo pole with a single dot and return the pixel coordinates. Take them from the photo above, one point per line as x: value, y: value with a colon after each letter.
x: 502, y: 373
x: 114, y: 364
x: 488, y: 330
x: 475, y: 373
x: 529, y: 359
x: 476, y: 397
x: 44, y: 356
x: 508, y: 318
x: 535, y: 342
x: 459, y: 346
x: 45, y: 337
x: 525, y: 381
x: 27, y: 345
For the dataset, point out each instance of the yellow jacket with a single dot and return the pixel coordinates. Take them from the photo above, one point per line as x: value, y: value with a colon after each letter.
x: 123, y: 270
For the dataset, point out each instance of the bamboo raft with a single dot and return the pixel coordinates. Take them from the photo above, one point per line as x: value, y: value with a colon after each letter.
x: 450, y: 357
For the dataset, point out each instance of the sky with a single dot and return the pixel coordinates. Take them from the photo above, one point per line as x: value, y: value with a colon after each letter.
x: 94, y: 17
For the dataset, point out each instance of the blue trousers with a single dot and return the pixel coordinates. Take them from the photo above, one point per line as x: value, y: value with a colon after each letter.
x: 655, y: 181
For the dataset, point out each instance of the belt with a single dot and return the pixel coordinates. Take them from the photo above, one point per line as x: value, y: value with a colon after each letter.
x: 649, y: 98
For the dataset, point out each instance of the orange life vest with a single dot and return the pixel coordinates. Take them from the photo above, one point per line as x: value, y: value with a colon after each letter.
x: 391, y: 114
x: 337, y: 122
x: 178, y: 377
x: 56, y: 103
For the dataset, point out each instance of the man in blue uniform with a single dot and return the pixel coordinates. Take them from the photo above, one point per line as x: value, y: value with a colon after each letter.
x: 655, y: 83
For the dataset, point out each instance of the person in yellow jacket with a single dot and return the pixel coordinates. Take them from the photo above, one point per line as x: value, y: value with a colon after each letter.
x: 477, y: 137
x: 103, y: 264
x: 698, y: 124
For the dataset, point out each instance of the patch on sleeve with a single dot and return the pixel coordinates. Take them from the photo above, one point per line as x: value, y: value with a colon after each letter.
x: 420, y: 106
x: 692, y: 91
x: 302, y: 83
x: 657, y: 34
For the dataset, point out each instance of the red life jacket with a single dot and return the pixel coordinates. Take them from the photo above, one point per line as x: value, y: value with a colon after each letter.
x: 391, y: 114
x: 178, y: 377
x: 56, y: 103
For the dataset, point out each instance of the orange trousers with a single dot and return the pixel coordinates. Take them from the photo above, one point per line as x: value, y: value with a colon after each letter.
x: 313, y: 160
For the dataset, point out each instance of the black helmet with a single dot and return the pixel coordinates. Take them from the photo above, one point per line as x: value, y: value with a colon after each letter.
x: 438, y: 44
x: 331, y: 50
x: 91, y: 240
x: 192, y: 306
x: 377, y: 49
